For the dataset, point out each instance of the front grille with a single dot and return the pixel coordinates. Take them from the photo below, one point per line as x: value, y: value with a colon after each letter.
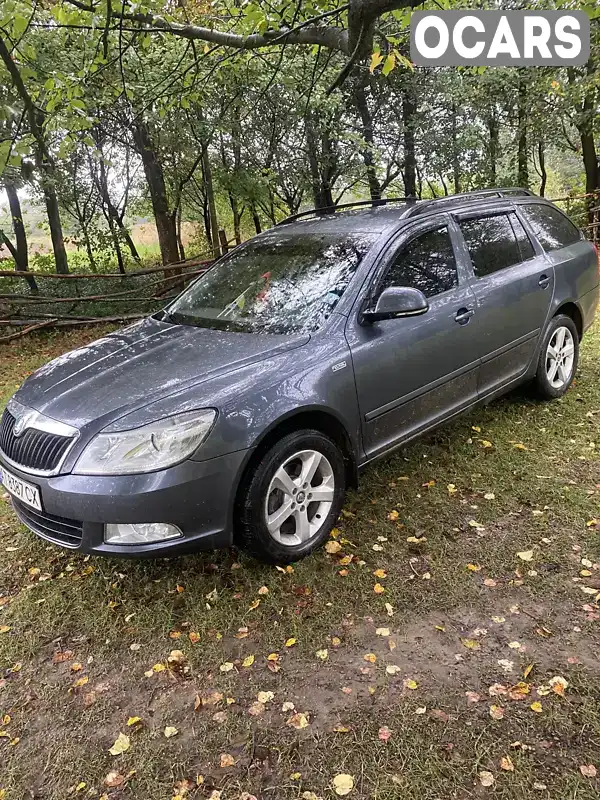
x: 67, y: 532
x: 33, y: 449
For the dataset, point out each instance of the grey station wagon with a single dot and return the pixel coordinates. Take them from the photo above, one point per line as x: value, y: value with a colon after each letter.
x: 242, y: 411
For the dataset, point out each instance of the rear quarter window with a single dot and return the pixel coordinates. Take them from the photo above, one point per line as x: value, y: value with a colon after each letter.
x: 551, y: 227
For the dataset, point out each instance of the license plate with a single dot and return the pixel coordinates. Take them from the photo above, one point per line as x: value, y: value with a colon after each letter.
x: 23, y: 491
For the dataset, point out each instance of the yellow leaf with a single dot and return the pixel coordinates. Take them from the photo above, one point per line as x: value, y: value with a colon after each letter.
x: 473, y: 567
x: 120, y: 746
x: 380, y: 573
x: 133, y: 721
x: 378, y: 589
x: 476, y: 428
x: 4, y: 628
x: 477, y: 525
x: 370, y: 657
x: 227, y: 760
x: 80, y: 786
x: 409, y: 683
x: 393, y: 515
x: 527, y: 671
x: 158, y: 668
x: 333, y: 547
x: 376, y: 60
x: 416, y: 539
x: 526, y: 555
x: 290, y: 642
x: 343, y: 784
x: 536, y: 706
x: 390, y: 63
x: 558, y: 684
x: 452, y: 489
x: 507, y: 764
x: 254, y: 604
x: 322, y: 655
x: 169, y: 732
x: 248, y: 661
x: 227, y: 666
x: 272, y: 656
x: 194, y: 637
x: 470, y: 644
x: 485, y: 443
x: 80, y: 682
x: 298, y: 721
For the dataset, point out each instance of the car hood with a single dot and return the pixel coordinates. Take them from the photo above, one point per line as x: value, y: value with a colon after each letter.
x: 142, y: 363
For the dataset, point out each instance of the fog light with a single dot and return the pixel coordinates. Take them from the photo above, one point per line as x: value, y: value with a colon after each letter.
x: 142, y: 533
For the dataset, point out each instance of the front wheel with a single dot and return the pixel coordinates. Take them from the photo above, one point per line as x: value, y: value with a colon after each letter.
x: 558, y: 359
x: 292, y: 498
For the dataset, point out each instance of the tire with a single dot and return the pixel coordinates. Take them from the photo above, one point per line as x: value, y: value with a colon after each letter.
x: 272, y: 524
x: 555, y: 375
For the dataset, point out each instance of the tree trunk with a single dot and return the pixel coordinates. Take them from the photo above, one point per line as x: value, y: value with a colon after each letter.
x: 20, y: 252
x: 493, y: 146
x: 56, y: 232
x: 360, y: 101
x: 210, y: 197
x: 522, y: 166
x: 165, y: 224
x: 409, y: 112
x: 112, y: 212
x: 542, y: 160
x: 455, y: 153
x: 179, y: 235
x: 256, y: 220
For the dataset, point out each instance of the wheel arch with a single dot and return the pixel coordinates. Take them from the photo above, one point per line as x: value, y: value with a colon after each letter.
x: 313, y: 418
x: 572, y: 310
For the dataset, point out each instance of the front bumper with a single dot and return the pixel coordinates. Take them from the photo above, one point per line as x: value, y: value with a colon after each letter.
x: 197, y: 496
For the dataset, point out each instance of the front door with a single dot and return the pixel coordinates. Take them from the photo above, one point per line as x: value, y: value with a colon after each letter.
x: 514, y: 285
x: 413, y: 371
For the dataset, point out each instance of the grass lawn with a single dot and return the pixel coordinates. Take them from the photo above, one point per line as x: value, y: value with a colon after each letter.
x: 445, y: 647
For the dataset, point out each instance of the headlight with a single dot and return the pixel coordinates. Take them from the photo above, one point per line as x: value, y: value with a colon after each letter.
x: 151, y: 447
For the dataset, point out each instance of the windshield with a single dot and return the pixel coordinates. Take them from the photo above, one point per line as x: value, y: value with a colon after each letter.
x: 274, y: 284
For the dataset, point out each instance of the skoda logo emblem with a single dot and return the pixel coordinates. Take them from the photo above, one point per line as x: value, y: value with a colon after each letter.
x: 22, y: 422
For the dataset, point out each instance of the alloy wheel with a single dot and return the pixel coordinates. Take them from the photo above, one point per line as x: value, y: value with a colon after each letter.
x: 560, y: 356
x: 299, y: 497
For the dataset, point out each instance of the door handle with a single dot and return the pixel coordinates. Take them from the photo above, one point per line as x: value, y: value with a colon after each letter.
x: 463, y: 315
x: 544, y: 281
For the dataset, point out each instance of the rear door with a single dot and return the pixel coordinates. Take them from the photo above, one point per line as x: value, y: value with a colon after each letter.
x: 513, y: 282
x: 414, y: 371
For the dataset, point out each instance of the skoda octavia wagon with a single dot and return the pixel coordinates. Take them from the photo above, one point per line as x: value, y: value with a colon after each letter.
x: 242, y: 411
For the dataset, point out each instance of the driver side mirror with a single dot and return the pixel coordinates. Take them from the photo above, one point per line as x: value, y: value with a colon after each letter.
x: 395, y: 302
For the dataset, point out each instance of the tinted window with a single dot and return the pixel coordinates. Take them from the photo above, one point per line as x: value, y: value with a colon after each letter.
x: 427, y: 263
x: 492, y: 243
x: 525, y: 247
x: 551, y: 227
x: 273, y: 284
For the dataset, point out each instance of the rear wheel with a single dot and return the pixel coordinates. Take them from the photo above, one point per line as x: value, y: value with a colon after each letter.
x: 292, y: 498
x: 558, y: 359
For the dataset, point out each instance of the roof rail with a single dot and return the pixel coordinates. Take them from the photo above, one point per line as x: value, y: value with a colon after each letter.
x: 478, y: 194
x: 318, y: 212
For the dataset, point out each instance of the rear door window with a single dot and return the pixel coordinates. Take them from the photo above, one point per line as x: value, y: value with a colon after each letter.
x: 426, y: 263
x: 495, y: 242
x: 551, y: 228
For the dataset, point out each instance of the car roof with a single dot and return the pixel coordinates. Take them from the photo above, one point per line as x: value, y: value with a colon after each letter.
x: 385, y: 215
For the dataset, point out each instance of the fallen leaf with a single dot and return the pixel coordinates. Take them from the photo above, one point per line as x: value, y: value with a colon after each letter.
x: 527, y: 671
x: 114, y: 779
x: 496, y: 712
x: 392, y: 669
x: 298, y: 721
x: 248, y: 661
x: 133, y: 721
x: 256, y: 709
x: 384, y: 733
x: 470, y: 644
x: 5, y: 628
x: 343, y: 784
x: 227, y: 760
x: 536, y: 706
x: 378, y: 589
x: 380, y: 573
x: 393, y: 515
x: 265, y: 697
x: 558, y: 684
x: 263, y: 590
x: 506, y: 764
x: 486, y: 778
x: 290, y: 642
x: 382, y: 632
x: 370, y: 657
x: 333, y: 547
x: 472, y: 697
x: 409, y: 683
x: 473, y: 567
x: 525, y: 555
x: 227, y: 666
x: 322, y: 655
x: 194, y: 637
x: 477, y: 525
x: 169, y: 732
x: 120, y: 746
x: 588, y: 770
